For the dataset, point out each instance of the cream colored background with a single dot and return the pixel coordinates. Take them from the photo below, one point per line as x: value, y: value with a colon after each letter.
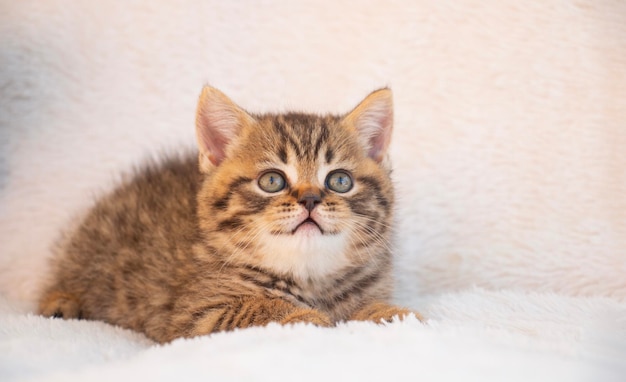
x: 509, y: 145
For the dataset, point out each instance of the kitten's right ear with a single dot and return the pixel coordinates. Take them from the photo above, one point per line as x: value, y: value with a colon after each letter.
x: 218, y: 123
x: 373, y: 121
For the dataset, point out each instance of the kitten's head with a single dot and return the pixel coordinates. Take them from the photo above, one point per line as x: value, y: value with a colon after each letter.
x: 300, y: 194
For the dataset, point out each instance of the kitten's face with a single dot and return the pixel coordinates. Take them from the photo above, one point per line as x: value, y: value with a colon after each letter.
x: 298, y: 194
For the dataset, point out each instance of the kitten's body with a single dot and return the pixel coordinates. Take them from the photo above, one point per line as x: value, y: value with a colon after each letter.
x: 190, y: 247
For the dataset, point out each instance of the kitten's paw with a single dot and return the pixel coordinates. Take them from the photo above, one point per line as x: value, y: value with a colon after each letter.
x: 59, y: 305
x: 380, y: 312
x: 311, y: 316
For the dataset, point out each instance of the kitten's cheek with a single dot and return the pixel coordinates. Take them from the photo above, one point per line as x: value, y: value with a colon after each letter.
x: 322, y: 221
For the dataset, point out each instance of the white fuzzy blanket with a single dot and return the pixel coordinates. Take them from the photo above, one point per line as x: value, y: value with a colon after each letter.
x: 509, y: 149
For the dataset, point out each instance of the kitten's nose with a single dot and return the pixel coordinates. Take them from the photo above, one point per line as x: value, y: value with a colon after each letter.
x: 309, y: 198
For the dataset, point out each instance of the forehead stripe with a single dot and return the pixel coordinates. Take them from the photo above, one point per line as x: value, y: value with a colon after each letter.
x: 282, y: 130
x: 321, y: 139
x: 330, y: 154
x: 282, y: 154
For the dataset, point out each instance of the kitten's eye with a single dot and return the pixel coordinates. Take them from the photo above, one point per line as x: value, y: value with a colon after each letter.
x: 339, y: 181
x: 272, y: 181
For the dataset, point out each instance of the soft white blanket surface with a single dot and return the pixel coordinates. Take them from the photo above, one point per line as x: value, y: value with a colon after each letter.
x: 509, y: 151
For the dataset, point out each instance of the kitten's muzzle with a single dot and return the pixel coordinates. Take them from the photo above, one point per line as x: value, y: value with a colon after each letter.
x: 308, y: 220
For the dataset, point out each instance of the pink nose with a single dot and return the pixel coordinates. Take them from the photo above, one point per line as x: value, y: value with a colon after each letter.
x: 309, y: 198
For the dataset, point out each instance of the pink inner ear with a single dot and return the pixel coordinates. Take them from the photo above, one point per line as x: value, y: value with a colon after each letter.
x: 218, y: 122
x: 373, y: 120
x: 379, y: 140
x: 213, y: 142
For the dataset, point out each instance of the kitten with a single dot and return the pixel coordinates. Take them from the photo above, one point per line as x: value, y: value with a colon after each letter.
x: 279, y: 218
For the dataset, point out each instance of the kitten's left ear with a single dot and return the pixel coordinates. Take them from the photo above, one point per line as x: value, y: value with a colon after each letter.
x: 218, y: 123
x: 373, y: 121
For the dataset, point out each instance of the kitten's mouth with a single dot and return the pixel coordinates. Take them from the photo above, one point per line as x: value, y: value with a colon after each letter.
x: 308, y: 223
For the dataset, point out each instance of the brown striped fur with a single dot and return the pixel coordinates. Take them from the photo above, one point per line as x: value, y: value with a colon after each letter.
x: 192, y: 245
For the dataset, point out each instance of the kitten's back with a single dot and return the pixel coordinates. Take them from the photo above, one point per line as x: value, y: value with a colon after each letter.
x: 132, y: 241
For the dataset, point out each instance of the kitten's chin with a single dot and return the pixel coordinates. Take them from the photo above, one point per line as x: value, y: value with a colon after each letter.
x: 305, y: 254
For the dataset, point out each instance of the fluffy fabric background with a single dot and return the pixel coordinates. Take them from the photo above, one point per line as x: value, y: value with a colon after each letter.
x: 509, y: 149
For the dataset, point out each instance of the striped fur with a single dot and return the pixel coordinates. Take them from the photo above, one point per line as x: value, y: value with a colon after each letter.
x: 189, y: 247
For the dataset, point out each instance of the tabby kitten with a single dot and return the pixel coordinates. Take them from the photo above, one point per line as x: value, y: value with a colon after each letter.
x: 284, y: 218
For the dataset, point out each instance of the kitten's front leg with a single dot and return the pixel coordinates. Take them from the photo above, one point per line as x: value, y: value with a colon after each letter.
x: 255, y: 311
x: 382, y: 312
